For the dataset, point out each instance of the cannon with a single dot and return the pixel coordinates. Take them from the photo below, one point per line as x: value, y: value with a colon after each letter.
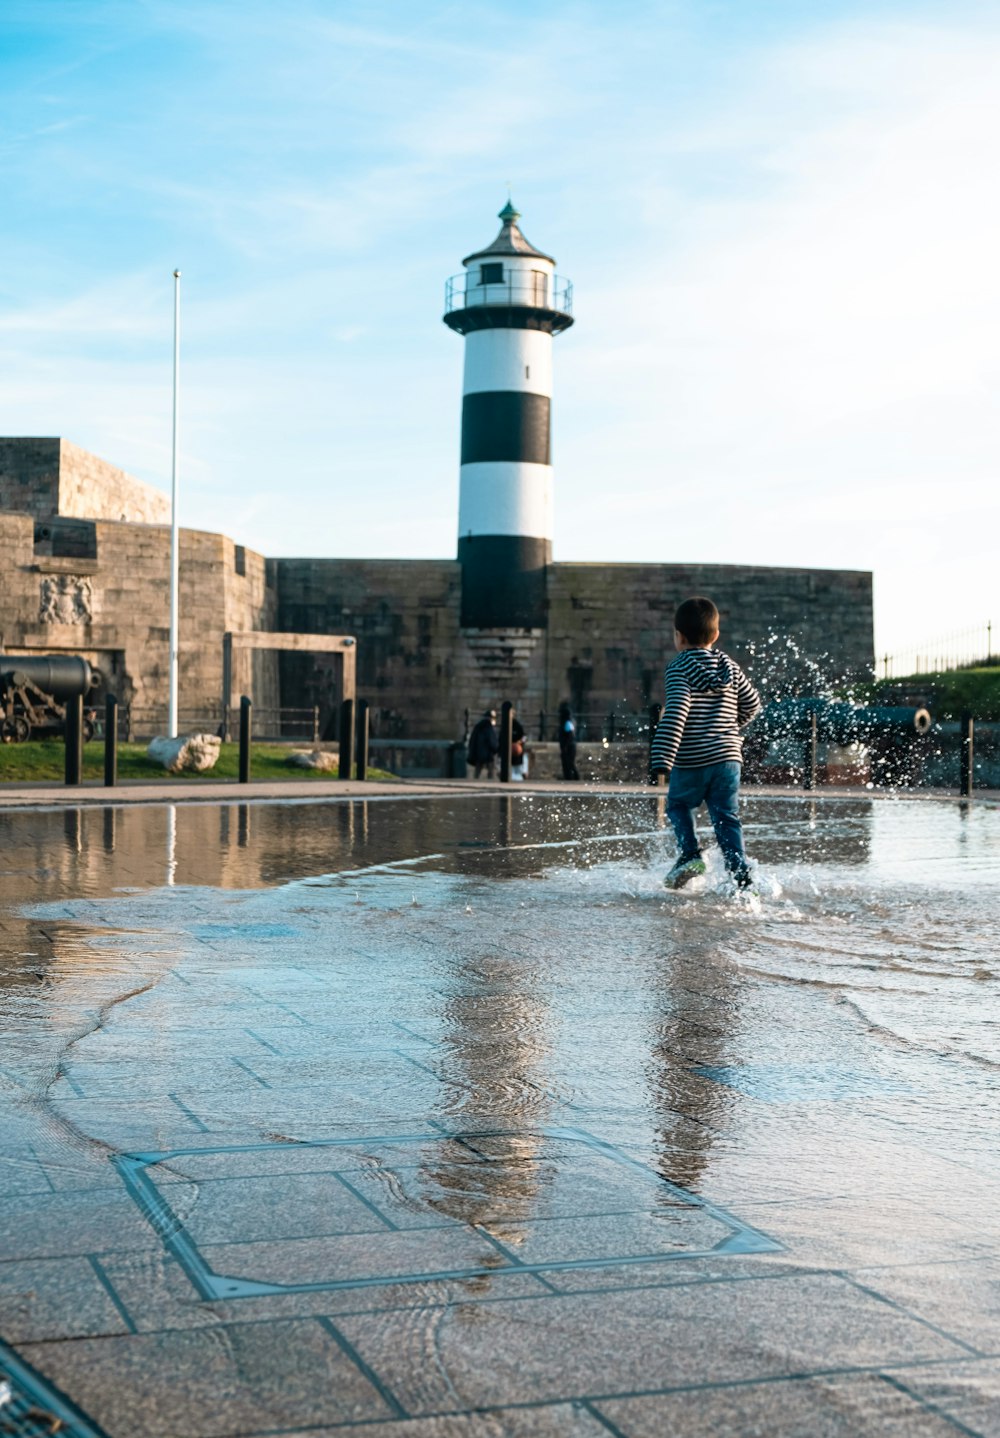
x: 890, y: 734
x: 839, y: 722
x: 34, y: 690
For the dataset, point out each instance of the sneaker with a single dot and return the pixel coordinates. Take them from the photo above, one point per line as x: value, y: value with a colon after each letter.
x: 687, y: 867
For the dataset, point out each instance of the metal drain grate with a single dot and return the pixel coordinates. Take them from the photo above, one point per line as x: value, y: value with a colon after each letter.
x: 31, y: 1408
x: 715, y: 1231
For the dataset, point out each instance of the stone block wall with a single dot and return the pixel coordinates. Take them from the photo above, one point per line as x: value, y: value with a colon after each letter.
x: 611, y: 627
x: 49, y: 477
x: 114, y: 609
x: 609, y: 634
x: 404, y: 614
x: 85, y: 556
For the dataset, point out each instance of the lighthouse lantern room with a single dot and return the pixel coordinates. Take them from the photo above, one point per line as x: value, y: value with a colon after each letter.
x: 508, y: 303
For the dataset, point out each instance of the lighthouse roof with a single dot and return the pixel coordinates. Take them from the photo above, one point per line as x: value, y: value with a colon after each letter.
x: 510, y: 240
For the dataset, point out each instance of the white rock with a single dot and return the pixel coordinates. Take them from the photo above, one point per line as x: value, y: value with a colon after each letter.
x: 189, y: 751
x: 314, y: 759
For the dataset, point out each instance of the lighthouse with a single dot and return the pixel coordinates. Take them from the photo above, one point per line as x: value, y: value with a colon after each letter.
x: 508, y: 303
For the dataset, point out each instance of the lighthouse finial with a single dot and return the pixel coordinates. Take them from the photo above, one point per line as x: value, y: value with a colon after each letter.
x: 509, y: 214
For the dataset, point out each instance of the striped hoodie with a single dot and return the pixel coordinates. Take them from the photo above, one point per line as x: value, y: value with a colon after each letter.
x: 708, y: 701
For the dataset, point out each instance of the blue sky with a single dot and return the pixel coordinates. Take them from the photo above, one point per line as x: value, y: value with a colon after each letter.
x: 781, y: 221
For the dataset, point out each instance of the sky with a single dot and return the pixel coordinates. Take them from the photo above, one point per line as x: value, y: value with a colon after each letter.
x: 780, y: 217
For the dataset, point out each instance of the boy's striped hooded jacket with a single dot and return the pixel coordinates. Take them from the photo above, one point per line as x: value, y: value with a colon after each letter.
x: 708, y: 701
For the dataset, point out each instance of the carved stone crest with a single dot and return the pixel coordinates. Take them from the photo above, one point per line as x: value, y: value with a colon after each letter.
x: 65, y: 599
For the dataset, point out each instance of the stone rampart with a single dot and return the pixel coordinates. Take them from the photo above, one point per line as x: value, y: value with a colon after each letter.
x: 609, y: 633
x: 85, y: 555
x: 114, y: 609
x: 50, y: 477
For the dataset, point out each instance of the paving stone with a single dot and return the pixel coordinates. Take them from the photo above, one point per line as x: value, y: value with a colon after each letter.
x: 851, y: 1232
x: 560, y: 1240
x: 357, y: 1256
x: 55, y: 1298
x: 159, y: 1295
x: 626, y: 1342
x: 858, y: 1406
x: 969, y: 1392
x: 963, y: 1297
x: 556, y: 1420
x: 241, y: 1377
x: 63, y: 1224
x: 248, y: 1210
x: 22, y: 1173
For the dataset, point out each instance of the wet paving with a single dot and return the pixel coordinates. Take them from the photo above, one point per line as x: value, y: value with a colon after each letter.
x: 441, y: 1118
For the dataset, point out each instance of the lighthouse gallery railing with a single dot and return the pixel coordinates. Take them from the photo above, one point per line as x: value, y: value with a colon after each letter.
x: 533, y: 290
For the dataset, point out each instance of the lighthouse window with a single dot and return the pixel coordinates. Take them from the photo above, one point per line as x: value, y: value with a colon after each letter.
x: 491, y: 274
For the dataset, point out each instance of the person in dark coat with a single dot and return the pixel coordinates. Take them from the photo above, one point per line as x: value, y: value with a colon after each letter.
x: 484, y: 744
x: 567, y: 742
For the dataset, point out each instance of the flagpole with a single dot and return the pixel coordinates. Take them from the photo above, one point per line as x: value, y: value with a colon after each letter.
x: 174, y: 545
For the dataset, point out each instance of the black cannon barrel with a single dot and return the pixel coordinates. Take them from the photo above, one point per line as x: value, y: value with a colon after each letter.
x: 62, y: 676
x: 840, y: 722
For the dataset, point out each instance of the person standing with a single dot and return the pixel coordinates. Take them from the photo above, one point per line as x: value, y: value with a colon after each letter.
x: 518, y: 750
x: 484, y: 745
x: 567, y: 742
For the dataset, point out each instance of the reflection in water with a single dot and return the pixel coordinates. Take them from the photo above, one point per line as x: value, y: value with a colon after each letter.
x: 557, y: 983
x: 73, y: 830
x: 171, y: 843
x: 695, y: 1027
x: 489, y: 1062
x: 276, y: 842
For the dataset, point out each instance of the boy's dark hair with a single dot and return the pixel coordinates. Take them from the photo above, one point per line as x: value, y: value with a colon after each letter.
x: 697, y: 619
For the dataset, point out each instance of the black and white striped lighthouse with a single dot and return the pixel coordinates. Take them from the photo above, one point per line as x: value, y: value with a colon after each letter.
x: 508, y: 304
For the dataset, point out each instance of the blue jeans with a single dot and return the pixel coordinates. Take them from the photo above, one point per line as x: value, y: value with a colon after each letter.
x: 718, y: 786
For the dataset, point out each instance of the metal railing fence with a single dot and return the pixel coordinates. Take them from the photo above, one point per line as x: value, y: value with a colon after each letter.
x: 136, y: 722
x: 961, y: 649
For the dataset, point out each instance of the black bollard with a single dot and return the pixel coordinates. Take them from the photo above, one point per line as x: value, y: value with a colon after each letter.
x: 246, y: 719
x: 74, y: 739
x: 346, y: 739
x: 655, y: 710
x: 506, y: 739
x: 965, y: 778
x: 361, y: 739
x: 110, y: 742
x: 809, y: 757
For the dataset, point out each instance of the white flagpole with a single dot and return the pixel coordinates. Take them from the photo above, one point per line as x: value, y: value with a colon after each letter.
x: 174, y: 545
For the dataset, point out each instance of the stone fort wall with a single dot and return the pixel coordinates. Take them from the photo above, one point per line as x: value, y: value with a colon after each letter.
x: 78, y: 577
x: 110, y: 602
x: 49, y: 477
x: 609, y: 633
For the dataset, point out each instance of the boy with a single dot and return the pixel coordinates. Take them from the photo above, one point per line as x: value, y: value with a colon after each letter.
x: 698, y: 742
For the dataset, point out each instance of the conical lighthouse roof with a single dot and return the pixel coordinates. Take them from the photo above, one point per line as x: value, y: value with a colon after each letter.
x: 509, y: 241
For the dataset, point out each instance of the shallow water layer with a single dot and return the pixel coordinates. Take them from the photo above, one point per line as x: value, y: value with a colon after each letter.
x: 361, y: 1065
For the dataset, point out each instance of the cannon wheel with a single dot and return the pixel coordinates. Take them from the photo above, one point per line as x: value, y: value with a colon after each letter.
x: 15, y: 731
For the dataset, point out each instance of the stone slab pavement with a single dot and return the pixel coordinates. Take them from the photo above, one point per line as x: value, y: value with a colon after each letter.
x: 431, y: 1119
